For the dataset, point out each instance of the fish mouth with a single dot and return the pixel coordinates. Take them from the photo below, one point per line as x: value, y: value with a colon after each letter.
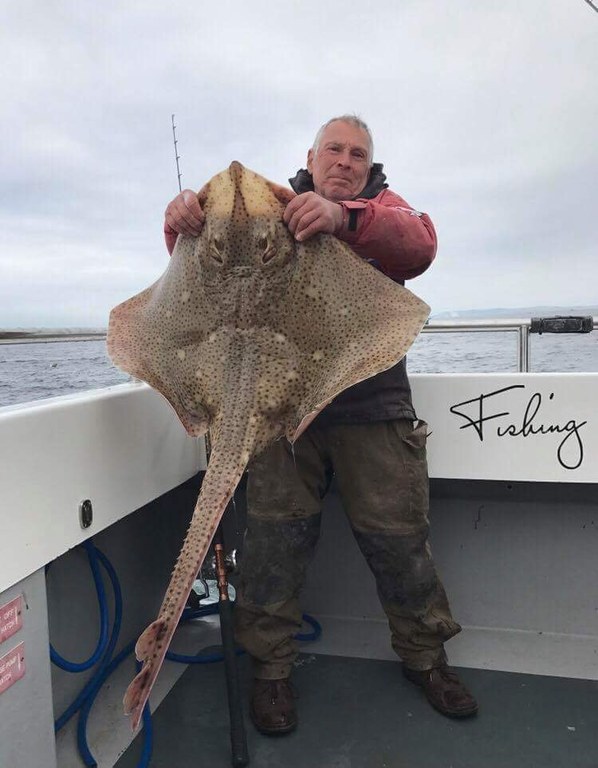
x: 241, y: 272
x: 230, y: 273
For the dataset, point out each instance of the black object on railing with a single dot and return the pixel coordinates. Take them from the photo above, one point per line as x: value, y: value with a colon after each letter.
x: 238, y: 737
x: 564, y: 324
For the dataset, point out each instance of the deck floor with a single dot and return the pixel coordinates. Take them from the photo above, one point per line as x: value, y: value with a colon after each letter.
x: 359, y: 713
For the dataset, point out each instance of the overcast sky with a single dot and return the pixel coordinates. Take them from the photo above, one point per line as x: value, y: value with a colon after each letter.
x: 484, y: 114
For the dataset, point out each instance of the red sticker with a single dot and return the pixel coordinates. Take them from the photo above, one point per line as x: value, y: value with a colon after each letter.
x: 11, y: 618
x: 12, y: 667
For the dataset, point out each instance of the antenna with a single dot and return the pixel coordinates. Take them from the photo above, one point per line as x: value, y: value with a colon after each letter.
x: 176, y: 153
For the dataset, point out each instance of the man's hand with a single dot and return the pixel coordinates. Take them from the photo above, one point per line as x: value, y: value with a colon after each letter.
x: 184, y: 215
x: 309, y: 213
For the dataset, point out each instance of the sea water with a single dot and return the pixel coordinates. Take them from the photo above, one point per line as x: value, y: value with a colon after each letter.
x: 34, y: 371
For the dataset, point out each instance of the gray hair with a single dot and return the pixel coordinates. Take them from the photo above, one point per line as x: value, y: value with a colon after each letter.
x: 353, y: 120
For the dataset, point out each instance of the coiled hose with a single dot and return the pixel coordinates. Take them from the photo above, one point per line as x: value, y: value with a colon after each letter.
x: 85, y: 699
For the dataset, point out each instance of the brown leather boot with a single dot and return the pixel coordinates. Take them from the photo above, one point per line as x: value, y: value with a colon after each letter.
x: 272, y: 708
x: 444, y: 690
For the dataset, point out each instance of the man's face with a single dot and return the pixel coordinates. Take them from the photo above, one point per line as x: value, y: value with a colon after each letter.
x: 340, y: 167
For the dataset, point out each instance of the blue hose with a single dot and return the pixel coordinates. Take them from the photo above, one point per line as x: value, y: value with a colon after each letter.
x: 105, y: 648
x: 71, y: 666
x: 309, y: 637
x: 201, y: 658
x: 95, y: 683
x: 118, y: 603
x: 209, y: 658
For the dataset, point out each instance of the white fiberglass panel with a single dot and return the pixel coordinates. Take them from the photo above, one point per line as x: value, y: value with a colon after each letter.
x: 119, y: 447
x: 123, y: 446
x: 540, y: 427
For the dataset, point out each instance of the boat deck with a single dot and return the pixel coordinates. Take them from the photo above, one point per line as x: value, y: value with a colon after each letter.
x: 362, y: 713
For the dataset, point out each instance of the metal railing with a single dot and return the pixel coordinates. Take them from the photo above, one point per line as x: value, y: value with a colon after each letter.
x: 523, y: 329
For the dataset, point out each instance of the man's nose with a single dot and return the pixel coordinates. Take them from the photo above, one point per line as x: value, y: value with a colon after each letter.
x: 344, y: 159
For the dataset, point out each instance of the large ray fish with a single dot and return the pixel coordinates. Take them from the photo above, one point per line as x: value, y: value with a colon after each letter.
x: 250, y: 334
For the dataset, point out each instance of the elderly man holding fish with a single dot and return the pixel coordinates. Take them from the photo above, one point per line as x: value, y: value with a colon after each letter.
x: 369, y: 438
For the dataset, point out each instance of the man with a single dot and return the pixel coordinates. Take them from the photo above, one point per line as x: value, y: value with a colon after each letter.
x: 386, y: 498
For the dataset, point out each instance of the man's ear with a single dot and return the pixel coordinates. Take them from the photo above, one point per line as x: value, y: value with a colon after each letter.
x: 282, y: 194
x: 310, y: 159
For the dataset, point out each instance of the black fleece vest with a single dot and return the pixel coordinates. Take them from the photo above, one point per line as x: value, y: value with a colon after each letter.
x: 382, y: 397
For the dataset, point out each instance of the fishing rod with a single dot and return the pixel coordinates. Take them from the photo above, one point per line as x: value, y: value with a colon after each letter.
x: 177, y: 157
x: 238, y: 736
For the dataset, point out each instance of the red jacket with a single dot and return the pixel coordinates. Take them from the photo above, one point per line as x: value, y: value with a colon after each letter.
x: 399, y: 240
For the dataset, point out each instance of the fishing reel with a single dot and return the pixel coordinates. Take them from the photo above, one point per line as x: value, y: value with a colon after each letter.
x: 205, y: 588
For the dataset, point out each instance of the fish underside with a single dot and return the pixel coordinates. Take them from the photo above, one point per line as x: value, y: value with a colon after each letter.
x: 250, y: 334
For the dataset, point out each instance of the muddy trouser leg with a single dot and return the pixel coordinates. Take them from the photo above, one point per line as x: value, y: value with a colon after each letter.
x: 284, y: 495
x: 382, y: 477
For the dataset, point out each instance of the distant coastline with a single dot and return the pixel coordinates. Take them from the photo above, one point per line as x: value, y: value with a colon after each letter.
x: 516, y: 312
x: 23, y: 335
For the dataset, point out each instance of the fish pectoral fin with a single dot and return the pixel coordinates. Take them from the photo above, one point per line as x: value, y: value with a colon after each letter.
x: 148, y: 644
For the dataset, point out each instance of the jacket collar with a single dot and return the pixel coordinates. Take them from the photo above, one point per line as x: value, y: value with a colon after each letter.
x: 303, y: 182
